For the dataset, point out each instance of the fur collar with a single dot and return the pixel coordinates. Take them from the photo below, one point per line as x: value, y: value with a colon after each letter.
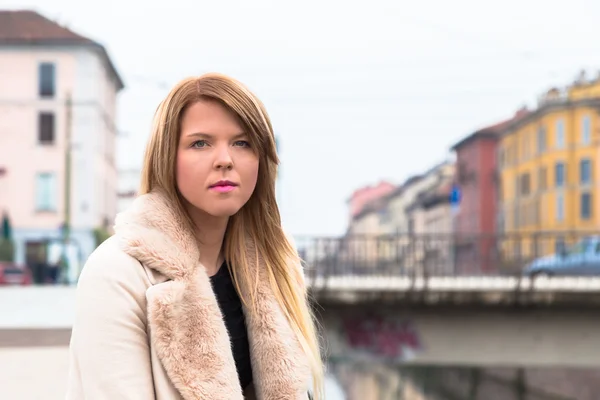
x: 186, y: 324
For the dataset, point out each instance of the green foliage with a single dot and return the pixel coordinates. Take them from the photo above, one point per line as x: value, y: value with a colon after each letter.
x: 7, y: 250
x: 101, y: 234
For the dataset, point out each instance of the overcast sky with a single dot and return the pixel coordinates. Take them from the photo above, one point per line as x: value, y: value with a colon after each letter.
x: 357, y: 91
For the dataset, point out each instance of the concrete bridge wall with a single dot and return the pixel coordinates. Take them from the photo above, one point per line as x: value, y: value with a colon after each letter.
x: 464, y: 336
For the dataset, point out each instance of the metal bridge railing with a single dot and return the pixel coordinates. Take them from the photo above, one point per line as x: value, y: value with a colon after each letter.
x: 413, y: 255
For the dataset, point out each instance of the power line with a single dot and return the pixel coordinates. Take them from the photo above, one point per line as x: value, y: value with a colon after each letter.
x: 57, y: 102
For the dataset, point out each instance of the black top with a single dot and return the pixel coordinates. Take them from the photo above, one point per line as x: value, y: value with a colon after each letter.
x: 231, y: 307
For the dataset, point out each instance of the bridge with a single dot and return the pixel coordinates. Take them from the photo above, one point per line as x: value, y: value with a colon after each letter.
x: 417, y: 303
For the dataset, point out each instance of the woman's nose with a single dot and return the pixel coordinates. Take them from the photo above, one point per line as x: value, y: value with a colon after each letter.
x: 223, y: 160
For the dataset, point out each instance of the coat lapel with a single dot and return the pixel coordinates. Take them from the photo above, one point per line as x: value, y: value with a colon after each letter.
x: 186, y: 325
x: 280, y: 367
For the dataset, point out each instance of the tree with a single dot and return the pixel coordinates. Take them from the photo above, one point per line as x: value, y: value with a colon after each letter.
x: 7, y: 247
x: 101, y: 234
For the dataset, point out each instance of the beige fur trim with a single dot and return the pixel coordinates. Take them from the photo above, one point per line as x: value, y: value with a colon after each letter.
x: 186, y: 325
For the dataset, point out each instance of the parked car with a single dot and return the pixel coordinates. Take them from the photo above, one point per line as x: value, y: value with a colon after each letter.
x: 582, y: 259
x: 13, y: 274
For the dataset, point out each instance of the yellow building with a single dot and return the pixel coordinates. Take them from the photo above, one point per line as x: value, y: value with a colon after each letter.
x: 548, y: 164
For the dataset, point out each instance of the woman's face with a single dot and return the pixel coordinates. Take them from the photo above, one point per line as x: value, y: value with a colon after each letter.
x: 216, y: 168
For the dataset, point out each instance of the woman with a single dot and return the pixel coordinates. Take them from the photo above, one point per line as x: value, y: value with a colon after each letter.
x: 199, y: 294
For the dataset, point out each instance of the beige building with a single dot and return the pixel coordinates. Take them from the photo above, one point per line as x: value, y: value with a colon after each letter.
x: 129, y: 184
x: 418, y: 210
x: 395, y: 228
x: 404, y: 198
x: 55, y: 83
x: 432, y: 240
x: 365, y: 243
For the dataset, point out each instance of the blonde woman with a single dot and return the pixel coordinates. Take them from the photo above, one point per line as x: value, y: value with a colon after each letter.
x: 199, y: 294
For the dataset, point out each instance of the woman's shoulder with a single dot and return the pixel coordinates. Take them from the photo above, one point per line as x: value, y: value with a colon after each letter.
x: 110, y: 264
x: 111, y: 292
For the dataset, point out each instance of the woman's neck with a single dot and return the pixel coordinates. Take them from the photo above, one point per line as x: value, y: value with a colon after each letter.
x: 210, y: 235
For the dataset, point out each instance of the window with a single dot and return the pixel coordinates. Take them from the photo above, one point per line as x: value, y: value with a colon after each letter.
x: 560, y: 174
x: 585, y: 171
x: 524, y: 184
x: 384, y: 216
x: 586, y: 205
x: 45, y: 194
x: 543, y: 178
x: 560, y: 134
x: 586, y: 130
x: 47, y: 80
x: 541, y: 139
x: 46, y: 128
x: 560, y: 207
x: 581, y: 247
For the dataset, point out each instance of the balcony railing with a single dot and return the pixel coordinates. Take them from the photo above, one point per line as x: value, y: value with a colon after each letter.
x: 443, y: 254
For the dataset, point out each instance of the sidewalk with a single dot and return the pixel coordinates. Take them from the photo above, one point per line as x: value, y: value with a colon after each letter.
x: 33, y: 373
x: 35, y: 327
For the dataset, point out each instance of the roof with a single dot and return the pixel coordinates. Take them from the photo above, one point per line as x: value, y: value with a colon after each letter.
x: 375, y: 206
x: 437, y: 194
x: 546, y: 108
x: 493, y: 131
x: 25, y: 27
x: 382, y: 186
x: 400, y: 188
x: 411, y: 180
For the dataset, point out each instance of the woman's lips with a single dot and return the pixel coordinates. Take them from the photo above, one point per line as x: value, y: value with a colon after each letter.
x: 223, y: 188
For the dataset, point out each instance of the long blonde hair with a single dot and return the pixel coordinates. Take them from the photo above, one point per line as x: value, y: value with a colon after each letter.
x: 259, y: 218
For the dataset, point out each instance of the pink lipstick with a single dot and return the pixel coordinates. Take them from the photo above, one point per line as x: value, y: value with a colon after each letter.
x: 223, y: 186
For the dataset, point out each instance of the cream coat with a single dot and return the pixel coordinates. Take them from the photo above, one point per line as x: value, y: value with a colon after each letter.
x: 148, y: 325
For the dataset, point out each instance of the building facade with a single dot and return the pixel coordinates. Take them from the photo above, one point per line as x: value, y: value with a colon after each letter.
x: 393, y: 230
x: 129, y: 184
x: 366, y: 242
x: 58, y: 95
x: 475, y: 220
x: 404, y: 197
x: 548, y: 165
x: 365, y: 195
x: 431, y: 239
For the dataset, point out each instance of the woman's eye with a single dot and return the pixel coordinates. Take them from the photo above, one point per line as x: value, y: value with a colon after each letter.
x: 199, y: 144
x: 242, y: 143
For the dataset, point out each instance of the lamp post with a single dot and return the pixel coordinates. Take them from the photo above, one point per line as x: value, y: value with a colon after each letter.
x: 66, y: 228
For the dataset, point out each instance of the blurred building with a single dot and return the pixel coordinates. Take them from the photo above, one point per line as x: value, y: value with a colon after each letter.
x: 373, y: 219
x: 430, y: 211
x: 42, y: 65
x: 430, y: 216
x: 475, y: 219
x: 397, y: 227
x: 364, y: 245
x: 363, y: 196
x: 402, y: 201
x: 548, y: 164
x: 129, y: 183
